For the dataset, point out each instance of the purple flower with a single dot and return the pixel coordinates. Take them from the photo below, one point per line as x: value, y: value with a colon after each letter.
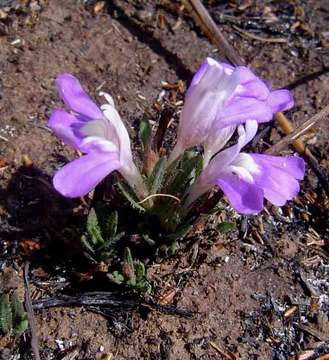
x: 219, y: 98
x: 246, y: 179
x: 97, y: 132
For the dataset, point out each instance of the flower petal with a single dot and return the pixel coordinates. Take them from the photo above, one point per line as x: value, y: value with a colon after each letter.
x: 240, y: 109
x: 216, y: 140
x: 227, y: 156
x: 75, y: 97
x: 253, y: 89
x: 80, y: 176
x: 207, y: 96
x: 197, y: 77
x: 121, y: 134
x: 293, y: 165
x: 279, y: 184
x: 280, y: 100
x: 244, y: 197
x: 65, y: 126
x: 94, y: 143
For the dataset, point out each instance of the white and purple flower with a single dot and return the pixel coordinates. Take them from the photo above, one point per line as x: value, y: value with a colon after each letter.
x: 246, y: 179
x: 219, y: 98
x: 99, y: 133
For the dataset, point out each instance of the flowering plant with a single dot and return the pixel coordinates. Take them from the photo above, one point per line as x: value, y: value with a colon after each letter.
x: 222, y: 103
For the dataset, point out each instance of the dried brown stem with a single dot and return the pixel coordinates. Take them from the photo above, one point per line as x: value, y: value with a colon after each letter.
x: 301, y: 130
x: 203, y: 19
x: 165, y: 117
x: 30, y: 314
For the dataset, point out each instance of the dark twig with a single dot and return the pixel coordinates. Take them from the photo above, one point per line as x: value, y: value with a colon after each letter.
x: 306, y: 78
x: 96, y: 299
x: 30, y: 314
x: 110, y: 302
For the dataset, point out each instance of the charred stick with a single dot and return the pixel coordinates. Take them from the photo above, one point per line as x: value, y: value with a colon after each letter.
x: 107, y: 300
x: 84, y: 300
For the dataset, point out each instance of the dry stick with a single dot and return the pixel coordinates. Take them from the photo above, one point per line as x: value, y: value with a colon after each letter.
x: 154, y: 147
x: 202, y: 18
x: 110, y: 301
x: 165, y: 117
x: 30, y: 314
x: 301, y: 130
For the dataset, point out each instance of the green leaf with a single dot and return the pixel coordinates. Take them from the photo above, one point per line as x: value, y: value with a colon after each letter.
x: 172, y: 248
x: 180, y: 232
x: 225, y: 227
x: 112, y: 225
x: 86, y: 244
x: 128, y: 267
x: 156, y: 178
x: 139, y: 270
x: 17, y: 307
x: 142, y: 283
x: 116, y: 277
x: 145, y: 132
x: 6, y: 316
x: 21, y: 327
x: 127, y: 193
x: 199, y: 167
x: 186, y: 173
x: 150, y: 242
x: 93, y: 228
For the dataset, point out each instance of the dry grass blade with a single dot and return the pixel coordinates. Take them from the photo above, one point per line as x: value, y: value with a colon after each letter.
x: 259, y: 38
x: 226, y: 355
x: 301, y: 130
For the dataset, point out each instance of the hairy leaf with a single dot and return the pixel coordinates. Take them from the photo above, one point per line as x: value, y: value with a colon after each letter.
x: 145, y: 132
x: 6, y: 315
x: 93, y: 228
x: 21, y: 326
x: 225, y: 227
x: 111, y: 225
x: 86, y: 244
x: 127, y: 193
x: 185, y: 173
x: 17, y: 307
x: 180, y: 232
x: 116, y: 277
x: 128, y: 267
x: 139, y: 270
x: 156, y: 178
